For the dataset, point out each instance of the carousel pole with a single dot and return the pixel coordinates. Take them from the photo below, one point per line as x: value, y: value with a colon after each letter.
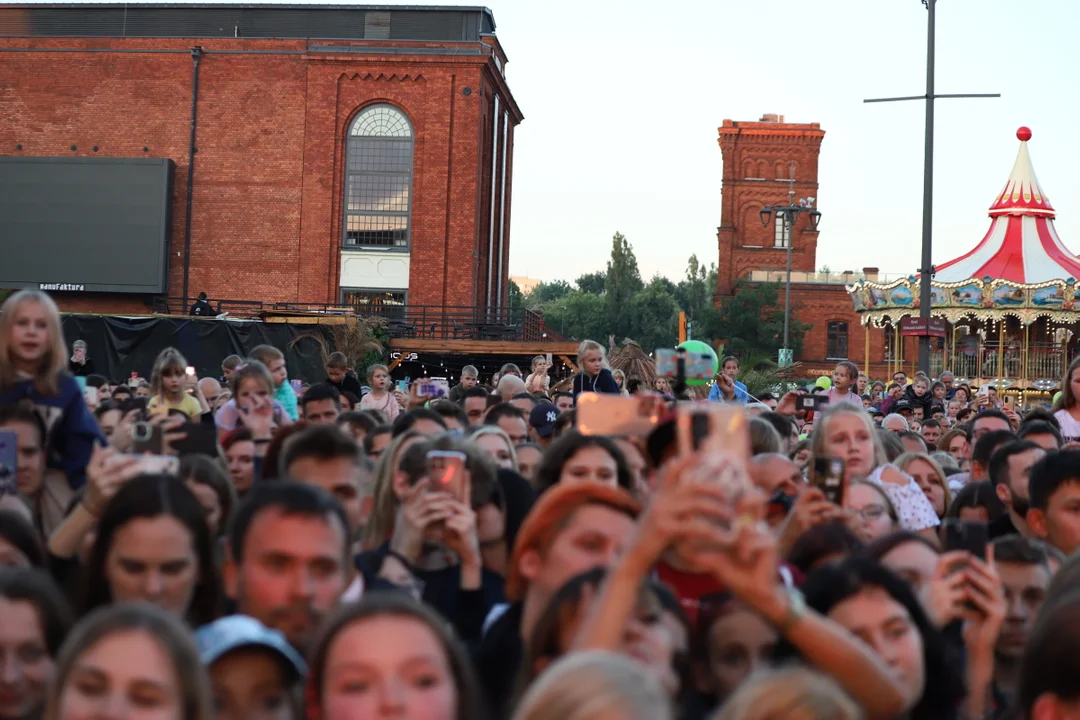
x: 1001, y: 355
x: 1025, y: 364
x: 866, y: 348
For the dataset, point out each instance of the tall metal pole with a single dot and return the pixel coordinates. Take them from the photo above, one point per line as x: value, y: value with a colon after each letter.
x: 789, y: 223
x: 928, y: 194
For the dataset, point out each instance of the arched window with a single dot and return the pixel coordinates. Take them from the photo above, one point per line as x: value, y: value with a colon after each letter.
x: 378, y: 179
x: 836, y: 344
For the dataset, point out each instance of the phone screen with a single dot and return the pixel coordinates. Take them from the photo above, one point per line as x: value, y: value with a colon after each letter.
x: 446, y: 472
x: 146, y: 438
x: 829, y: 478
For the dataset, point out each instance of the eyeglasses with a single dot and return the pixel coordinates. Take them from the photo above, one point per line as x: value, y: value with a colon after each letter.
x: 871, y: 513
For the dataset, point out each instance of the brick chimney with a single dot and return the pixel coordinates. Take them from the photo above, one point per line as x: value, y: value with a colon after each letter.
x: 772, y: 118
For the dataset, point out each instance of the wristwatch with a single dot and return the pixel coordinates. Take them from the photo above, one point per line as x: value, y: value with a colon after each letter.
x: 795, y: 610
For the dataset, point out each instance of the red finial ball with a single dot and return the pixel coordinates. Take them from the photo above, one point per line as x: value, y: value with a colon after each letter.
x: 1023, y: 134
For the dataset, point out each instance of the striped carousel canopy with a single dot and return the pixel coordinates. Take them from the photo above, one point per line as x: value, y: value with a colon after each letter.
x: 1022, y: 244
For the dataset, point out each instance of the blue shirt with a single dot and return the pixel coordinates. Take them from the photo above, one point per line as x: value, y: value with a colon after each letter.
x: 741, y: 396
x: 70, y: 428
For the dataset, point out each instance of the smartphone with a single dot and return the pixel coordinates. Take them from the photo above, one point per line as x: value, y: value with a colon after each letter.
x: 828, y: 476
x: 90, y: 395
x: 812, y: 401
x: 133, y: 403
x: 696, y: 366
x: 435, y: 388
x: 628, y: 416
x: 190, y: 370
x: 81, y: 382
x: 403, y: 386
x: 547, y: 356
x: 1010, y: 402
x: 297, y: 386
x: 712, y: 427
x: 147, y: 438
x: 159, y: 464
x: 133, y: 381
x: 446, y: 472
x: 9, y: 462
x: 199, y: 439
x: 968, y: 535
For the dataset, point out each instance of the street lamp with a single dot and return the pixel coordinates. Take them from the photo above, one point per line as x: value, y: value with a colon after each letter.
x: 787, y: 214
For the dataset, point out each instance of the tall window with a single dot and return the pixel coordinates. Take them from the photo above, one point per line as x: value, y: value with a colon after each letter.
x: 836, y: 346
x: 378, y: 179
x: 782, y: 232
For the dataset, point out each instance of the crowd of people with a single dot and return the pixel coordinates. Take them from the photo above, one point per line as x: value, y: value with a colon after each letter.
x: 254, y: 546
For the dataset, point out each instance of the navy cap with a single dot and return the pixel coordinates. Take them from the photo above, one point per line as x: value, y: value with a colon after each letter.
x: 240, y: 631
x: 542, y: 418
x: 901, y: 405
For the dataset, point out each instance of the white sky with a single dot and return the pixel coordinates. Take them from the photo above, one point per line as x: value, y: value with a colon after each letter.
x: 622, y: 99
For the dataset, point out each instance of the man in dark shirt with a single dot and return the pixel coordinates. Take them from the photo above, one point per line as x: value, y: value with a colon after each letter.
x: 201, y: 308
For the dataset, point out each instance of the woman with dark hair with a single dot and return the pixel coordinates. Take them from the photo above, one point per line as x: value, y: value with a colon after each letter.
x: 823, y: 544
x: 210, y: 485
x: 153, y: 545
x: 583, y: 458
x: 875, y: 604
x: 34, y: 619
x: 390, y: 638
x: 20, y: 544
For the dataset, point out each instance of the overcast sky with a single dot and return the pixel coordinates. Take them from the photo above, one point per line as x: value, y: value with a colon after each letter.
x: 622, y: 100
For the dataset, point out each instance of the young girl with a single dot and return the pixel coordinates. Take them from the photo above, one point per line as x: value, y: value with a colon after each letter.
x: 274, y: 360
x: 173, y: 389
x: 594, y: 375
x: 33, y: 367
x: 380, y: 398
x: 1067, y: 409
x: 538, y: 381
x: 251, y: 384
x: 844, y: 377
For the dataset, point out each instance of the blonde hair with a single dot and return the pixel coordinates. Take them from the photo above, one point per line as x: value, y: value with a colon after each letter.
x: 481, y: 430
x: 168, y: 359
x: 589, y: 346
x: 266, y: 354
x: 381, y: 522
x: 536, y: 360
x: 907, y: 458
x: 372, y: 369
x: 54, y: 363
x: 821, y: 430
x: 794, y: 693
x: 593, y: 684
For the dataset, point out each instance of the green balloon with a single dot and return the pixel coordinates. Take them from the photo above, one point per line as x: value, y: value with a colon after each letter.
x: 1057, y: 395
x: 824, y: 382
x: 701, y: 348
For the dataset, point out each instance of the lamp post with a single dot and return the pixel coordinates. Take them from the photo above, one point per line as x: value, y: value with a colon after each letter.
x: 787, y: 214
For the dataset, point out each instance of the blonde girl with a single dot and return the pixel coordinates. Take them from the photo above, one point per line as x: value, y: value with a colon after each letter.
x: 495, y: 442
x: 33, y: 369
x: 845, y: 431
x: 172, y: 388
x: 793, y: 693
x: 595, y: 375
x: 538, y: 381
x: 381, y: 523
x: 251, y: 386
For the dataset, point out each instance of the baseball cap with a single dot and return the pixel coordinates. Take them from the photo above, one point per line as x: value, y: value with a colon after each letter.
x: 240, y: 631
x: 901, y: 405
x: 542, y: 418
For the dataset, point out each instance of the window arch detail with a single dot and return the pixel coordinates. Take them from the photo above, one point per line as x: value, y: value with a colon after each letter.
x: 378, y: 179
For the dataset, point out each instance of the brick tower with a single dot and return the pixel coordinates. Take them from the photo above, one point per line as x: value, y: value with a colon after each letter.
x: 758, y: 158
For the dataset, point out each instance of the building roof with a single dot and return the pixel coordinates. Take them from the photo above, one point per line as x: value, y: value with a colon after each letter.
x: 248, y: 20
x: 1022, y: 244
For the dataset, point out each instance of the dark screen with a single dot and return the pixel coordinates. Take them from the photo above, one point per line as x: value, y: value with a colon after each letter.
x: 85, y: 224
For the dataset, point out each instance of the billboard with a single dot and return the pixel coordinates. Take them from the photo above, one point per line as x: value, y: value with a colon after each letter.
x: 85, y: 224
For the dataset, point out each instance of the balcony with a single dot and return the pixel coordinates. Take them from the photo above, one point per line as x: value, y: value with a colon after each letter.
x: 821, y: 278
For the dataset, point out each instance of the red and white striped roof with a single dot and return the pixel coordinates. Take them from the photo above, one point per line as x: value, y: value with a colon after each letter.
x: 1022, y: 244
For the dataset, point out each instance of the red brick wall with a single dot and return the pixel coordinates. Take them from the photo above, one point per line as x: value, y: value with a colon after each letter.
x: 269, y: 172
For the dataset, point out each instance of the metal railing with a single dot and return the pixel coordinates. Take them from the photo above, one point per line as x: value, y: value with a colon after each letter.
x: 402, y: 321
x: 824, y: 278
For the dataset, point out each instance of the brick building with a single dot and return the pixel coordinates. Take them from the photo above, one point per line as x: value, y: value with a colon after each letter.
x: 760, y: 160
x: 358, y: 154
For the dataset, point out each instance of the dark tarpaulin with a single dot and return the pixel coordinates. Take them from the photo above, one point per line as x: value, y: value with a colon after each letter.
x: 120, y: 346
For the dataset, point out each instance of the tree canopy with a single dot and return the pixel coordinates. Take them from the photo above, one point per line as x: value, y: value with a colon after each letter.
x: 616, y: 301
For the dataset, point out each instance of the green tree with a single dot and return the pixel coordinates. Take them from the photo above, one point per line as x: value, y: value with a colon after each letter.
x: 517, y: 298
x: 577, y: 316
x: 752, y: 321
x: 592, y: 282
x: 694, y: 292
x: 654, y: 316
x: 546, y: 292
x: 622, y: 282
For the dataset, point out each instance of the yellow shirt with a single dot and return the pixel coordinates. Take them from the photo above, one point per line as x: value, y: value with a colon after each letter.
x: 189, y: 406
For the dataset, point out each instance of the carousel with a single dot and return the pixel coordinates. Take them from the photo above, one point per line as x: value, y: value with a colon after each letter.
x: 1011, y: 304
